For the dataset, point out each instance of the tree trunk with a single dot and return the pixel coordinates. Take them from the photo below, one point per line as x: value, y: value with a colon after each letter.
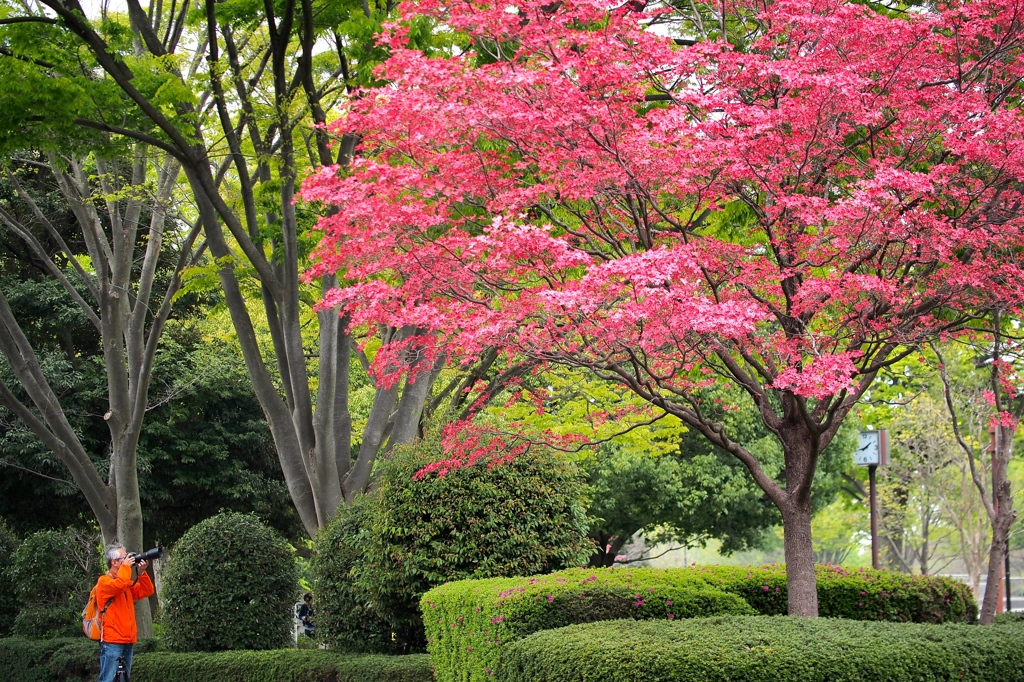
x: 1004, y: 518
x: 801, y: 581
x: 604, y: 556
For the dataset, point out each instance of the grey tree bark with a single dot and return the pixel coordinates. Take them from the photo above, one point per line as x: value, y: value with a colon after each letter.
x: 308, y: 415
x: 126, y: 311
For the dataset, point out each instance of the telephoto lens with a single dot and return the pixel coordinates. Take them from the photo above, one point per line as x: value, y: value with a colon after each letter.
x: 149, y: 554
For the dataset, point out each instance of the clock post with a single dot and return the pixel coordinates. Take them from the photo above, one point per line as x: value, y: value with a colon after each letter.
x: 872, y: 452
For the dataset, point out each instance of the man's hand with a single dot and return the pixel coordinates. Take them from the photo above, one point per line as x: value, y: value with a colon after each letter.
x: 142, y: 567
x: 128, y: 559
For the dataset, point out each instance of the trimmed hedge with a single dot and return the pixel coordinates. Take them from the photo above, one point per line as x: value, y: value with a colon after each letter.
x: 468, y: 622
x: 31, y: 660
x: 767, y: 649
x: 861, y: 594
x: 1009, y: 617
x: 282, y: 665
x: 77, y: 660
x: 230, y: 584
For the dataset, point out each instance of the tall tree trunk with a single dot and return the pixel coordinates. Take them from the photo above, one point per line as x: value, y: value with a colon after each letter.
x: 801, y: 581
x: 1001, y: 522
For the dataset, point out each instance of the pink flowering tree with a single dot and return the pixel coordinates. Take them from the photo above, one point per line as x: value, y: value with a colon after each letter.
x: 676, y: 216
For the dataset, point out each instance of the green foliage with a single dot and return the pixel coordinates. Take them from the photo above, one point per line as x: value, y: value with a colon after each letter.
x: 59, y: 660
x: 760, y: 649
x: 1009, y: 617
x: 378, y: 557
x: 343, y: 612
x: 204, y: 446
x: 230, y: 584
x: 53, y: 571
x: 469, y: 623
x: 663, y: 479
x: 77, y: 660
x: 8, y: 596
x: 208, y: 447
x: 282, y: 665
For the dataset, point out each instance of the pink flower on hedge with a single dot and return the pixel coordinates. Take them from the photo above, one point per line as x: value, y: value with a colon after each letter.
x: 671, y: 616
x: 551, y: 598
x: 668, y: 602
x: 498, y: 619
x: 765, y: 588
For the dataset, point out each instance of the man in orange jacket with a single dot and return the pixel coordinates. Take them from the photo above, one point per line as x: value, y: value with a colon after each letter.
x: 116, y: 588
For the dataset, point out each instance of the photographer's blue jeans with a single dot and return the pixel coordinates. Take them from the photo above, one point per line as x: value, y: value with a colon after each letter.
x: 109, y: 653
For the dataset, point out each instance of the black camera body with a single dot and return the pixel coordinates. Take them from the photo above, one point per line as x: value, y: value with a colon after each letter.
x: 148, y: 555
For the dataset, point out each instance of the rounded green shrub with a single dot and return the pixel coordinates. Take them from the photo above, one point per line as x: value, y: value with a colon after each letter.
x: 8, y: 597
x: 53, y: 571
x: 231, y: 583
x: 377, y: 558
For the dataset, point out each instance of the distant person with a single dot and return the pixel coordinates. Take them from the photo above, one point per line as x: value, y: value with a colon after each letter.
x: 117, y: 593
x: 306, y: 615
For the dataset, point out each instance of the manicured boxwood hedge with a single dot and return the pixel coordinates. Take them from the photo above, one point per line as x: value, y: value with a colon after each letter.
x: 282, y: 665
x: 76, y: 660
x: 468, y: 621
x: 1010, y: 617
x: 767, y: 649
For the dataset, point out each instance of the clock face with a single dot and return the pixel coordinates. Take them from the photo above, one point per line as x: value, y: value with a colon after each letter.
x: 869, y: 448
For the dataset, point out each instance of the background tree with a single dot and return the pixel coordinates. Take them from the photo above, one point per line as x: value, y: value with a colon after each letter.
x: 241, y: 127
x: 204, y: 446
x: 691, y: 215
x: 1003, y: 401
x: 121, y: 207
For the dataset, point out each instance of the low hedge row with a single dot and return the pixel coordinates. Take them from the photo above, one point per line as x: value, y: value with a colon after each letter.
x: 77, y: 660
x: 30, y: 660
x: 467, y: 622
x: 854, y: 594
x: 767, y: 649
x: 280, y: 665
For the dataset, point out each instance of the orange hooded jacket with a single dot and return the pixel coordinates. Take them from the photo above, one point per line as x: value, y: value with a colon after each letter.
x: 119, y: 620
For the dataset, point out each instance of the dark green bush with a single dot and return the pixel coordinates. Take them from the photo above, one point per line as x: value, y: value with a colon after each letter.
x: 342, y: 609
x: 230, y: 584
x: 378, y: 557
x: 77, y: 660
x: 767, y: 649
x: 8, y: 596
x: 467, y: 622
x: 31, y: 660
x: 53, y: 571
